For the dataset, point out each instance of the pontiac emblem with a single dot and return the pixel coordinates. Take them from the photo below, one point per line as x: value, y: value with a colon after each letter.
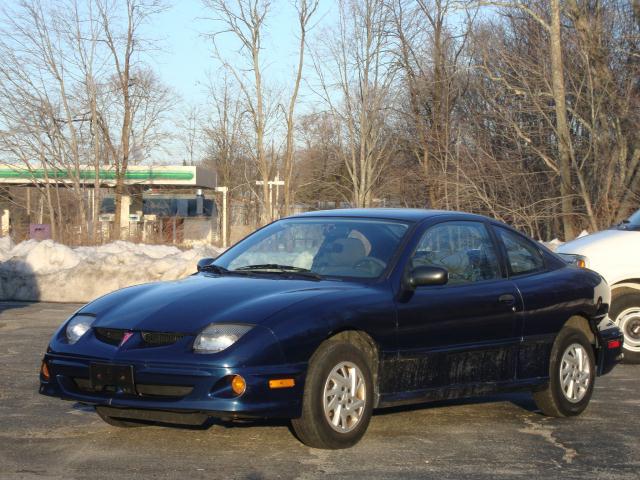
x: 125, y: 337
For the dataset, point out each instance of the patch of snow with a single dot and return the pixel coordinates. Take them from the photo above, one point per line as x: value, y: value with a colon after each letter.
x: 49, y: 271
x: 5, y: 245
x: 553, y: 244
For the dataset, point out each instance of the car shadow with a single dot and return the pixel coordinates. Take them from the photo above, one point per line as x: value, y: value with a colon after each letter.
x: 18, y: 285
x: 10, y: 305
x: 211, y: 422
x: 522, y: 400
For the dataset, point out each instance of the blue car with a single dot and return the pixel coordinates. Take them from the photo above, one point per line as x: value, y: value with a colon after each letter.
x: 323, y: 317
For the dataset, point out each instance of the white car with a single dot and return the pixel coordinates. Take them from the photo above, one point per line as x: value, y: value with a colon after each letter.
x: 615, y: 254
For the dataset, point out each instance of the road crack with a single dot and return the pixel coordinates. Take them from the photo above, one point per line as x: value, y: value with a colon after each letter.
x: 546, y: 432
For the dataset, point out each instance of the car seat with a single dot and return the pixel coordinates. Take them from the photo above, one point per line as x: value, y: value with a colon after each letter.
x: 339, y: 256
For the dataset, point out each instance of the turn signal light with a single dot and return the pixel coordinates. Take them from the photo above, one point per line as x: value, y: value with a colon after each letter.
x: 238, y: 385
x: 282, y: 383
x: 614, y: 344
x: 581, y: 263
x: 44, y: 371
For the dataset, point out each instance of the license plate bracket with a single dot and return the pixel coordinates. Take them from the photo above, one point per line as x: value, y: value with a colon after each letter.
x: 106, y: 375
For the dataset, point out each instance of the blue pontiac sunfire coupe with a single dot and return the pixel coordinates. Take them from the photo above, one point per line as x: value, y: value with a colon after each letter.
x: 323, y: 317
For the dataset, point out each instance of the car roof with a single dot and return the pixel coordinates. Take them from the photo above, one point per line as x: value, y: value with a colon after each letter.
x: 404, y: 214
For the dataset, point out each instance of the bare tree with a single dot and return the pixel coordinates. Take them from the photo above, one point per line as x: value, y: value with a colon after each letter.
x: 190, y: 124
x: 74, y: 76
x: 306, y: 10
x: 245, y: 20
x: 429, y: 47
x: 548, y: 17
x: 603, y: 103
x: 124, y: 43
x: 356, y: 77
x: 84, y: 29
x: 224, y: 136
x: 323, y: 180
x: 40, y: 103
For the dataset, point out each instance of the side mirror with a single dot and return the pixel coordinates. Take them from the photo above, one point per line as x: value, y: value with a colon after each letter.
x: 203, y: 262
x: 423, y: 276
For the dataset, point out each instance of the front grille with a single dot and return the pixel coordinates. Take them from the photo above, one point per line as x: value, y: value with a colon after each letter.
x: 150, y: 339
x: 157, y: 339
x: 143, y: 390
x: 110, y: 335
x: 170, y: 391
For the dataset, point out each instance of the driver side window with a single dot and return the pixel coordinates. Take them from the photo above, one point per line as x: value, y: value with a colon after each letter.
x: 464, y: 249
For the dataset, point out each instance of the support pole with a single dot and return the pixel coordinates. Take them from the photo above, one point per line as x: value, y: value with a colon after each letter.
x: 125, y: 206
x: 225, y: 220
x: 4, y: 222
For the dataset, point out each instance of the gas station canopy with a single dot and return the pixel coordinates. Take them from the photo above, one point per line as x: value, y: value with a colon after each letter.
x: 167, y: 176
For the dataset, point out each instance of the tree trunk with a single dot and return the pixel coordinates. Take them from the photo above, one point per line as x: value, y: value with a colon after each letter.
x: 562, y: 126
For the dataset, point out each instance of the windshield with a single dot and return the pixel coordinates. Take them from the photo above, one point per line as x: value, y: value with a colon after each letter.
x: 338, y: 247
x: 632, y: 223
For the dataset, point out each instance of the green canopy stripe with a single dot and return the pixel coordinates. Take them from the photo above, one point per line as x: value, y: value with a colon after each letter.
x: 86, y: 174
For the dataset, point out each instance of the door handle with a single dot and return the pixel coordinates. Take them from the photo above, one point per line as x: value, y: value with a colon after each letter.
x: 507, y: 299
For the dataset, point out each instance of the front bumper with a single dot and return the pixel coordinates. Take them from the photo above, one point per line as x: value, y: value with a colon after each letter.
x: 197, y: 388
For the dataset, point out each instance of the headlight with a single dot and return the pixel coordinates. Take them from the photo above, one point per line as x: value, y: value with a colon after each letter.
x: 577, y: 260
x: 78, y: 326
x: 216, y: 337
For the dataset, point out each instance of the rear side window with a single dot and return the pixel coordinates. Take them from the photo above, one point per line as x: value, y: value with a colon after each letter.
x: 522, y: 254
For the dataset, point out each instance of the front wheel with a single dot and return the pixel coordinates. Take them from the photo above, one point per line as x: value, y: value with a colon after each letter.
x: 572, y: 373
x: 625, y: 312
x: 338, y: 397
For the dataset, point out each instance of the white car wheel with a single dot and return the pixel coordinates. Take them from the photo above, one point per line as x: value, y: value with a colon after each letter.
x: 629, y: 322
x: 625, y: 312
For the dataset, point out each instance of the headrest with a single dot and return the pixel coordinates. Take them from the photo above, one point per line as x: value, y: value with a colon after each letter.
x: 345, y: 252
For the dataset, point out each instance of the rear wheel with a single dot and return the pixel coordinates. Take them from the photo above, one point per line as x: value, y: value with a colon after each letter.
x: 115, y: 422
x: 571, y: 376
x: 625, y: 312
x: 338, y: 397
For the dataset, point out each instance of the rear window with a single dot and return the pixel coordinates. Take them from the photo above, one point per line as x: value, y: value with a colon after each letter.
x: 523, y: 255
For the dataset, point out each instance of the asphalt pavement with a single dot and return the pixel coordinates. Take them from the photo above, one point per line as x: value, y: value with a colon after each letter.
x: 497, y: 437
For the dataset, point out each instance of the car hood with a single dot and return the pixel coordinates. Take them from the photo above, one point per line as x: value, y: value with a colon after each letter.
x: 601, y: 241
x: 188, y: 305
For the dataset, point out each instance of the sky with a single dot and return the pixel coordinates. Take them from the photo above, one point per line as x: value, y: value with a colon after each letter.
x: 185, y: 57
x: 183, y: 54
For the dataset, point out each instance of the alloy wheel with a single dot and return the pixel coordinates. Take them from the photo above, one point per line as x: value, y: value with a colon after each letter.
x: 575, y: 373
x: 344, y: 397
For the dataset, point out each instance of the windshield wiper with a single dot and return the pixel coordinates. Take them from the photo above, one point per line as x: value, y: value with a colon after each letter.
x: 277, y: 268
x: 215, y: 269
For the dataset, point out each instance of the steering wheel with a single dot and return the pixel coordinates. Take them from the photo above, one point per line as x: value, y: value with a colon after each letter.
x: 370, y: 264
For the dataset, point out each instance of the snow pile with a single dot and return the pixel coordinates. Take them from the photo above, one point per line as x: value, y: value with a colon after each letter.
x: 555, y: 243
x: 48, y: 271
x: 5, y: 244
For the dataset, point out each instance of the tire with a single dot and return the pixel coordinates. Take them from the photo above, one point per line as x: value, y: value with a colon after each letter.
x: 114, y: 422
x: 553, y: 399
x: 335, y: 361
x: 625, y: 312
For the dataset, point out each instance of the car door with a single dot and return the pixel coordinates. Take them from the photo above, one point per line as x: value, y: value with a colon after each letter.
x: 463, y: 332
x: 548, y: 295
